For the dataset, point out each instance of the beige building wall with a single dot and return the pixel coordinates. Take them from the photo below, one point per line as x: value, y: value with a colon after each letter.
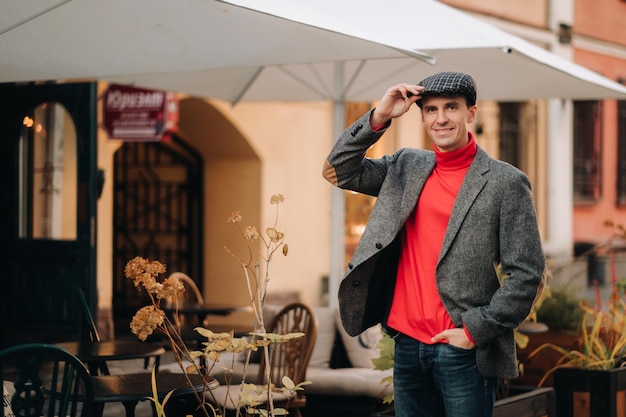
x: 104, y: 227
x: 291, y: 141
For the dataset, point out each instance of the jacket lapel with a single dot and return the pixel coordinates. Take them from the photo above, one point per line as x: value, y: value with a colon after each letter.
x: 474, y: 181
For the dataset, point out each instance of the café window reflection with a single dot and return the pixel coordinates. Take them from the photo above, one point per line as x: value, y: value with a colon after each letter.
x: 48, y: 174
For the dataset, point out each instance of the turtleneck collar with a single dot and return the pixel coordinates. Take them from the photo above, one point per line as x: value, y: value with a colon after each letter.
x: 458, y: 159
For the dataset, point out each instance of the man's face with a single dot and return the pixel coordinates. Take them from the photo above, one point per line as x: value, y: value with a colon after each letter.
x: 446, y: 120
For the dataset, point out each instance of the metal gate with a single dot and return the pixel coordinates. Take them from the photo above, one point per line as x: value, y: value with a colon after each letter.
x: 157, y: 214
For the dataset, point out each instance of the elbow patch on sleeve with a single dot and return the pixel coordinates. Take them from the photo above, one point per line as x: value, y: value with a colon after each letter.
x: 329, y: 173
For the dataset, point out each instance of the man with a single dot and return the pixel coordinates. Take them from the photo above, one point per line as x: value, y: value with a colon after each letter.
x: 425, y: 265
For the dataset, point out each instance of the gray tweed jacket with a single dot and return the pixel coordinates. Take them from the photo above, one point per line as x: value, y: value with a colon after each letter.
x: 493, y: 221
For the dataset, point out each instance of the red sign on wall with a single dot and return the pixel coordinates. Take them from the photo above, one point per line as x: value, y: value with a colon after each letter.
x: 138, y: 114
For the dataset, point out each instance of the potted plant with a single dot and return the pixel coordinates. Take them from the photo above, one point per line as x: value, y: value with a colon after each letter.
x: 588, y: 377
x: 561, y: 315
x: 144, y: 274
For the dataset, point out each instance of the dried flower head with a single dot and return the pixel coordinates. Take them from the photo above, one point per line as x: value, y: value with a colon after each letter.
x: 277, y: 198
x: 172, y: 286
x: 144, y: 272
x: 235, y: 217
x: 146, y: 320
x: 251, y: 232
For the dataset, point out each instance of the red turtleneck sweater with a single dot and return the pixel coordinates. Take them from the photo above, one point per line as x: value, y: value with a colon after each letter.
x: 417, y: 309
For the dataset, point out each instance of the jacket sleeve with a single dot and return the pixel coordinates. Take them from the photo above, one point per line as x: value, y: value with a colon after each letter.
x: 347, y: 166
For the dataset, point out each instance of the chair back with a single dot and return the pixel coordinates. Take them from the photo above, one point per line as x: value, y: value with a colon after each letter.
x: 46, y: 380
x: 191, y: 294
x: 290, y: 358
x: 90, y: 331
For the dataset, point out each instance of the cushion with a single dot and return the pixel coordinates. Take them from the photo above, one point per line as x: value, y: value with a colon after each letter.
x: 348, y: 381
x: 361, y: 349
x: 325, y: 336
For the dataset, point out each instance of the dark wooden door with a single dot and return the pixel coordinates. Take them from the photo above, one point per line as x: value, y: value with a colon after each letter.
x: 48, y: 177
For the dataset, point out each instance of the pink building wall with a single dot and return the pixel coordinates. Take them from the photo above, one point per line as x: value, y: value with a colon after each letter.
x: 600, y: 25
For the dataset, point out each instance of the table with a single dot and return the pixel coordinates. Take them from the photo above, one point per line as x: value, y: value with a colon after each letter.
x: 96, y: 354
x: 129, y: 389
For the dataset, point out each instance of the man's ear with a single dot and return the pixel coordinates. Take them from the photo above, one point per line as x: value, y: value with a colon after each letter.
x: 472, y: 113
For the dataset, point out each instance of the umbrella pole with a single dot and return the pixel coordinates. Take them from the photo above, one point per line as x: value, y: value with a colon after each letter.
x: 337, y: 216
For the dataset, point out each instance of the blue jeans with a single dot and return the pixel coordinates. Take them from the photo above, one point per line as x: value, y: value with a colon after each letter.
x: 439, y: 380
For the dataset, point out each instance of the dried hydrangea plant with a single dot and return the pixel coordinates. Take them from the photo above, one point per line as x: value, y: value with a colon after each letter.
x: 148, y: 319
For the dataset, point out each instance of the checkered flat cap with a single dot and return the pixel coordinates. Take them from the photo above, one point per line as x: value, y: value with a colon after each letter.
x: 449, y: 84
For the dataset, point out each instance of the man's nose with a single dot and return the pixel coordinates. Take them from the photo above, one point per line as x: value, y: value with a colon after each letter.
x: 441, y: 117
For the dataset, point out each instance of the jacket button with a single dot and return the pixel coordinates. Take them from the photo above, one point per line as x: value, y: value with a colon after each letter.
x: 356, y: 283
x: 356, y: 130
x: 350, y: 265
x: 379, y: 245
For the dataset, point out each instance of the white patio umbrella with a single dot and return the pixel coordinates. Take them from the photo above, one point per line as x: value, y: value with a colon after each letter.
x: 506, y: 67
x: 303, y: 50
x: 166, y: 44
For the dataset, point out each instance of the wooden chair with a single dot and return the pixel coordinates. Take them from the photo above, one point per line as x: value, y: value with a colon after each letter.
x: 90, y: 334
x: 46, y: 381
x: 90, y: 331
x: 290, y: 359
x: 190, y: 296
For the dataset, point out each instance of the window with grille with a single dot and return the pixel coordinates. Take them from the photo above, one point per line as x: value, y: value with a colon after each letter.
x: 587, y: 151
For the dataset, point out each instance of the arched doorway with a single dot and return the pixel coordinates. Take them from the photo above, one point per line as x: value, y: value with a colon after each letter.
x: 233, y: 177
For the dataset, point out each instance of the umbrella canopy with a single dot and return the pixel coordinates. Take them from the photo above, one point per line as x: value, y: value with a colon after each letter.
x: 206, y: 47
x: 279, y: 49
x: 506, y: 67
